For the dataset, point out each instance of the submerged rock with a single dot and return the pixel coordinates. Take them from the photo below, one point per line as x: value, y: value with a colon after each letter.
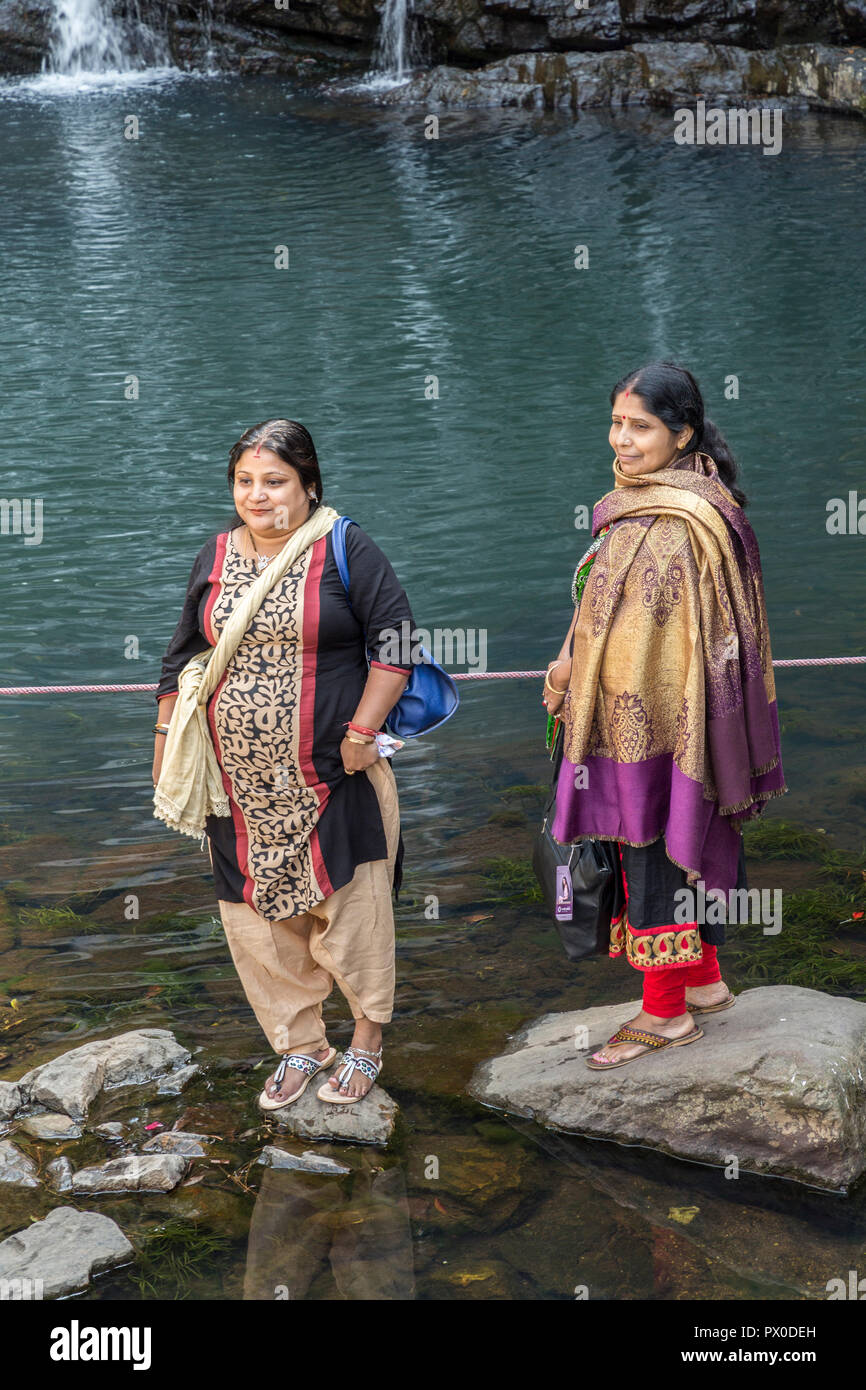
x: 15, y: 1167
x: 178, y: 1142
x: 49, y: 1125
x: 368, y: 1121
x: 73, y: 1080
x: 59, y: 1174
x: 10, y: 1099
x: 307, y: 1162
x: 778, y: 1083
x: 64, y: 1250
x: 173, y: 1084
x: 113, y: 1131
x: 132, y: 1173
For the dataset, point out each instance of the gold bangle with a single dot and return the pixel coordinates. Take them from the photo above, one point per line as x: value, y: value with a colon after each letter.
x: 553, y: 687
x: 160, y: 728
x: 366, y: 741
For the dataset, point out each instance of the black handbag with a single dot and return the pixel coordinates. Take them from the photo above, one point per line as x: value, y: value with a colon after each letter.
x: 581, y: 882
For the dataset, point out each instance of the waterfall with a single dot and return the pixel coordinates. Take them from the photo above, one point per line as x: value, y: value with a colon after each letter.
x: 393, y: 55
x: 87, y: 38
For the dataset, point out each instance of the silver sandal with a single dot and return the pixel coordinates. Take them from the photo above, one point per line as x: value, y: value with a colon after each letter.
x: 298, y: 1061
x: 354, y: 1059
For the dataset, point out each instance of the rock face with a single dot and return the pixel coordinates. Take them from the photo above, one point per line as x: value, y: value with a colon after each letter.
x: 247, y: 36
x: 777, y: 1082
x: 132, y: 1173
x: 650, y: 74
x: 64, y: 1250
x: 370, y: 1121
x: 70, y: 1083
x: 15, y: 1167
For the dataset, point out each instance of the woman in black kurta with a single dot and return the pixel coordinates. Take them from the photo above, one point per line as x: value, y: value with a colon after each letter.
x: 301, y: 823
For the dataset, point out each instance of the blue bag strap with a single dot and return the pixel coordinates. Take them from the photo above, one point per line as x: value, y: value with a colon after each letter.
x: 338, y: 541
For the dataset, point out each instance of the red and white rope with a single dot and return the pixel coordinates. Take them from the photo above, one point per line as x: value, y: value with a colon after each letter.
x: 457, y: 676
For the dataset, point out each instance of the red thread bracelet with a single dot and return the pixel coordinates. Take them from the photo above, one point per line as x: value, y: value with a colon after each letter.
x: 360, y: 729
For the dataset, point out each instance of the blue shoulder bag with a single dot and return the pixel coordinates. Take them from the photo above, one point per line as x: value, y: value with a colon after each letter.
x: 431, y: 695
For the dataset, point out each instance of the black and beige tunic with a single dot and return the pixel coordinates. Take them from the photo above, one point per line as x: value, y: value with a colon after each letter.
x: 299, y: 824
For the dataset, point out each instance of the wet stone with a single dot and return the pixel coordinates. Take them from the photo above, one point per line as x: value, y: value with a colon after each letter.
x: 113, y: 1130
x: 73, y: 1080
x: 132, y: 1173
x: 178, y: 1142
x: 15, y: 1167
x: 307, y: 1162
x: 174, y: 1083
x: 64, y: 1250
x: 50, y: 1125
x: 59, y: 1174
x: 10, y: 1099
x: 369, y: 1120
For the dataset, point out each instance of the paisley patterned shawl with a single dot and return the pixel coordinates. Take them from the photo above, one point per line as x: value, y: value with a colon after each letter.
x: 671, y: 710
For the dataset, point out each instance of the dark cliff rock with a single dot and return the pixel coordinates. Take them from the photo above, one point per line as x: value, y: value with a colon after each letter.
x: 24, y: 35
x: 656, y: 74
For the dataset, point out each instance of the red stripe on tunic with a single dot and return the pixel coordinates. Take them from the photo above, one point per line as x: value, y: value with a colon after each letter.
x: 241, y: 838
x: 310, y: 641
x: 215, y: 580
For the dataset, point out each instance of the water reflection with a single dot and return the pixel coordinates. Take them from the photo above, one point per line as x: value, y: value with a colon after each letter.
x: 324, y: 1237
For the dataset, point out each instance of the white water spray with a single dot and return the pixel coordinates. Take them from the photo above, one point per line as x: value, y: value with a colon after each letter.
x: 393, y: 56
x: 86, y: 38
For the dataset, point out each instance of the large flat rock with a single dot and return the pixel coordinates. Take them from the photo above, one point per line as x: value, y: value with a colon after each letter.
x: 64, y: 1250
x: 778, y: 1082
x: 72, y: 1081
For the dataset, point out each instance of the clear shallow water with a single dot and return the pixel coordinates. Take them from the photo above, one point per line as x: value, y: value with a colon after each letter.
x: 408, y: 258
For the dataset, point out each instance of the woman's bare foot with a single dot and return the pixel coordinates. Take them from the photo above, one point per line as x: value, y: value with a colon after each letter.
x: 293, y: 1079
x: 707, y: 994
x: 366, y: 1040
x: 668, y: 1027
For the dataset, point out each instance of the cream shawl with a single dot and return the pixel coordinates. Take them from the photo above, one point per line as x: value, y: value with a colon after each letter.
x: 190, y: 785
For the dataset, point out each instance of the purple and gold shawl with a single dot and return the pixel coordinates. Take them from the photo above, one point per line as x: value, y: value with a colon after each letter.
x: 670, y: 717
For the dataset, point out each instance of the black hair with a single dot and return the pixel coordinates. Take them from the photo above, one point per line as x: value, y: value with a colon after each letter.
x: 672, y: 393
x: 289, y: 441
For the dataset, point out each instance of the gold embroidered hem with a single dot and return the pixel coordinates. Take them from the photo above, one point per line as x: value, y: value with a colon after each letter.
x: 648, y: 947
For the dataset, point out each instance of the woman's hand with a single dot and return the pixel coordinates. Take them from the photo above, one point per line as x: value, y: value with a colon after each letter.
x: 559, y: 675
x: 357, y: 756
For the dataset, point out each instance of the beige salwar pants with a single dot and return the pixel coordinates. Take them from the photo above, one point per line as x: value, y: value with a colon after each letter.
x: 288, y: 968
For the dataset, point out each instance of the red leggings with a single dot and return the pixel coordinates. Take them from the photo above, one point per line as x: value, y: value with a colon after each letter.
x: 664, y: 987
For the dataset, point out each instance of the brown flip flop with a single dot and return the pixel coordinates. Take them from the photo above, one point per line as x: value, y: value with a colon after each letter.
x: 654, y: 1042
x: 712, y: 1008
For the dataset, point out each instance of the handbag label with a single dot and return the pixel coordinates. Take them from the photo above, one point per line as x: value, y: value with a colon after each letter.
x: 564, y: 894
